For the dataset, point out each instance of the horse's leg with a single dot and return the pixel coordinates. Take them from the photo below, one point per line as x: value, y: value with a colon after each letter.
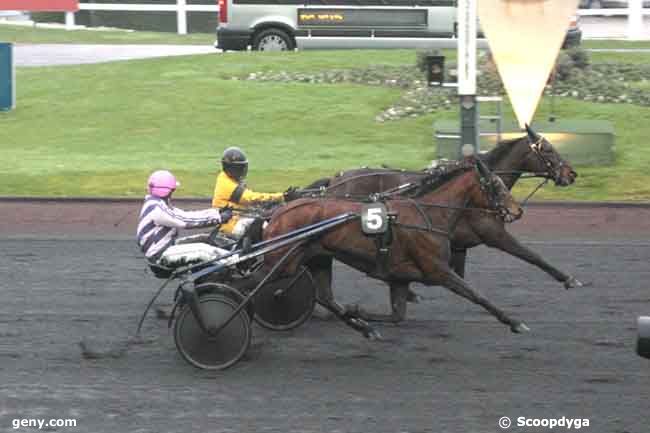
x: 321, y: 270
x: 437, y: 271
x: 504, y: 241
x: 457, y: 261
x: 399, y: 293
x: 457, y: 285
x: 348, y: 317
x: 411, y: 296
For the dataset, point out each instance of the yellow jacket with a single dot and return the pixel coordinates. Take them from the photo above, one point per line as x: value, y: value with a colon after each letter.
x: 228, y: 192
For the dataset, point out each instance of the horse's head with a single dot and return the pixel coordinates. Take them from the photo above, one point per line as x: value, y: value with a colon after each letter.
x: 543, y: 158
x: 496, y: 196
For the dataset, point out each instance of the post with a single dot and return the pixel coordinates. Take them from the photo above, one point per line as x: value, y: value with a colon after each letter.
x: 181, y: 16
x: 635, y: 20
x: 467, y: 29
x: 7, y: 77
x: 69, y: 20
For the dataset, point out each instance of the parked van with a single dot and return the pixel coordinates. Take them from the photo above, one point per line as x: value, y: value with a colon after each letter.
x: 274, y: 25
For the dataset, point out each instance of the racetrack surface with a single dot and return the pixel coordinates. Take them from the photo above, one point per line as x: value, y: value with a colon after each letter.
x: 449, y: 368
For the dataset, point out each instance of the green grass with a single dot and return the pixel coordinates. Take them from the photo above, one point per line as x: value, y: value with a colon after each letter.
x: 97, y: 130
x: 614, y: 44
x: 16, y: 34
x: 634, y: 58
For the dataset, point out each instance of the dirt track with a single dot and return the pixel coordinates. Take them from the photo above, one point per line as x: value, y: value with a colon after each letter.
x: 449, y: 368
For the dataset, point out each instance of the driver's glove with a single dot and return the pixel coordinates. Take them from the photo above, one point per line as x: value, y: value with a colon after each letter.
x: 226, y: 214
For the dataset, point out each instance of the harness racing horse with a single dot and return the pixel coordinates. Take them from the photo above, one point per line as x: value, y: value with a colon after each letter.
x: 419, y: 237
x: 510, y: 160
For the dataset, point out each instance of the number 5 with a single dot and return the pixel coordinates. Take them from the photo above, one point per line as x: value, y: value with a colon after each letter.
x: 374, y: 218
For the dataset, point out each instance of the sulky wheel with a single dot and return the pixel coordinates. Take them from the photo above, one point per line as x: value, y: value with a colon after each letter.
x: 213, y: 352
x: 286, y: 303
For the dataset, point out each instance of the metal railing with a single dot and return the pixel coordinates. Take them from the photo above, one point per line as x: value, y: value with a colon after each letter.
x: 634, y: 13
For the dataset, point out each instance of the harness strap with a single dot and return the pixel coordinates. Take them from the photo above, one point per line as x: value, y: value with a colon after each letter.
x: 383, y: 242
x: 424, y: 229
x: 238, y: 192
x: 425, y: 217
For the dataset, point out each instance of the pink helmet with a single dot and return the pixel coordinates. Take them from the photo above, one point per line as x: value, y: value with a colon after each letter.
x: 162, y: 183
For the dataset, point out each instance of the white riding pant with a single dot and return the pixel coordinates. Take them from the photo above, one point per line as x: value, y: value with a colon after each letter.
x: 178, y: 255
x: 242, y: 225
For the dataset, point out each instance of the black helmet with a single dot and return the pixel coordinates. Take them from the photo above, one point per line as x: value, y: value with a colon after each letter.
x: 234, y: 163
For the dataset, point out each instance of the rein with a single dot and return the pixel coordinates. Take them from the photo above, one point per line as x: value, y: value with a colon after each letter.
x: 541, y: 184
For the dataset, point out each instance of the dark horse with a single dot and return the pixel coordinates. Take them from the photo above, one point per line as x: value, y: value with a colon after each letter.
x: 419, y: 237
x: 510, y: 159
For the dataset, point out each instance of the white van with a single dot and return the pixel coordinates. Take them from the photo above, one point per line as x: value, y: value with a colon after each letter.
x: 274, y: 25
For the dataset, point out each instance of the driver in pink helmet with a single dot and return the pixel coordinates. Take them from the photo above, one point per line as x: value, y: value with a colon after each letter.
x: 160, y: 222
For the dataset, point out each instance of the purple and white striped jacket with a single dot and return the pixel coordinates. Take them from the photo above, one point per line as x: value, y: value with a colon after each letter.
x: 159, y: 223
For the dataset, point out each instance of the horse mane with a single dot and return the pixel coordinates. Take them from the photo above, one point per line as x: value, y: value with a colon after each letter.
x: 503, y: 148
x: 432, y: 183
x: 292, y: 205
x: 320, y: 183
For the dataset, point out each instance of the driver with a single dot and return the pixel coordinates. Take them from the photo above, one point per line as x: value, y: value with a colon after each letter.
x: 230, y: 190
x: 159, y: 222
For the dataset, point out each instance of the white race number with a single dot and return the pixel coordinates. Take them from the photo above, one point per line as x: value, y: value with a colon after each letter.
x: 374, y: 218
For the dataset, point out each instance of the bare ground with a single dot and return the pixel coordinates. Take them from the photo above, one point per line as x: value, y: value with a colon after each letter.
x: 449, y: 368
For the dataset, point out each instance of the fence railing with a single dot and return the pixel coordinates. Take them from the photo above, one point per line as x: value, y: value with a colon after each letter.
x: 181, y: 8
x: 634, y: 12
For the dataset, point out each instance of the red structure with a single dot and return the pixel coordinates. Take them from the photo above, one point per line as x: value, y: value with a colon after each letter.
x: 40, y: 5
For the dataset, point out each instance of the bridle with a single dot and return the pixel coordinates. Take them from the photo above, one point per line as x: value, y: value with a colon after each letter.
x: 553, y: 171
x: 490, y: 185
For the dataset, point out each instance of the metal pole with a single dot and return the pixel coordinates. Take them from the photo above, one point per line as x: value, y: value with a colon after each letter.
x: 69, y: 20
x: 635, y: 20
x: 181, y: 16
x: 469, y: 117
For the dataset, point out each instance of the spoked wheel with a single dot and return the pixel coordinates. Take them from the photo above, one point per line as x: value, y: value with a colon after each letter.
x: 213, y: 352
x: 286, y: 303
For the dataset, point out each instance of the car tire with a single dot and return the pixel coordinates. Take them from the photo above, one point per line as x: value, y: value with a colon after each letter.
x: 273, y: 39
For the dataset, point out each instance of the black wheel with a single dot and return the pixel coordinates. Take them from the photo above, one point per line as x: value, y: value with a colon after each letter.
x: 286, y: 303
x: 216, y: 287
x: 273, y: 40
x: 206, y: 351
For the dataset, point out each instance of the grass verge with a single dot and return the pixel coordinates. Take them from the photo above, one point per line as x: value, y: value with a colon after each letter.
x: 100, y: 129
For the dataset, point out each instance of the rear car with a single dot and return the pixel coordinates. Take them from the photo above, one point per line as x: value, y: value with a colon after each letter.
x: 279, y: 25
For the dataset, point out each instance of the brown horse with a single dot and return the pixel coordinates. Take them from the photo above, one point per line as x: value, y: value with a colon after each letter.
x: 510, y: 159
x: 419, y: 237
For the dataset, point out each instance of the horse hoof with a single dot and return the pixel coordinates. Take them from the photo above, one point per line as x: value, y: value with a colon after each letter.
x: 323, y: 314
x: 519, y: 328
x: 572, y: 283
x: 373, y: 335
x: 164, y: 312
x: 414, y: 298
x: 352, y: 310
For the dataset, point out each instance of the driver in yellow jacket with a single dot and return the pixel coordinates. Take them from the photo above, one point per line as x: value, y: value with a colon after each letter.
x: 230, y: 190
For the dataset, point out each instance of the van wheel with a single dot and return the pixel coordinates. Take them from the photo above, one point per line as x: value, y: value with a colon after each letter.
x: 273, y: 40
